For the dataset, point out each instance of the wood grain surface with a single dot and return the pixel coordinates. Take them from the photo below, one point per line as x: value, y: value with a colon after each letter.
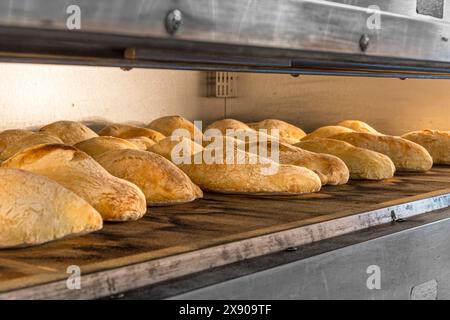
x: 219, y: 229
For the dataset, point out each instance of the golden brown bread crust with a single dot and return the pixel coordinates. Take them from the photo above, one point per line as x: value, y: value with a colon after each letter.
x: 225, y: 124
x: 126, y: 131
x: 286, y: 130
x: 326, y: 132
x: 247, y: 178
x: 184, y: 147
x: 167, y: 125
x: 70, y: 132
x: 254, y: 174
x: 330, y: 169
x: 27, y: 142
x: 436, y: 142
x: 406, y: 155
x: 241, y: 128
x: 143, y: 143
x: 35, y: 210
x: 358, y: 126
x: 362, y: 163
x: 115, y: 199
x: 12, y: 136
x: 98, y: 145
x: 162, y: 182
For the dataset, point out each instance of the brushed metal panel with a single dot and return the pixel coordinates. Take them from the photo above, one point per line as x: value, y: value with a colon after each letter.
x: 304, y: 25
x: 408, y: 260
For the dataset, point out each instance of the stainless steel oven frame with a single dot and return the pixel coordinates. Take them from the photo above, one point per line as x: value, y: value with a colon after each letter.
x: 285, y: 36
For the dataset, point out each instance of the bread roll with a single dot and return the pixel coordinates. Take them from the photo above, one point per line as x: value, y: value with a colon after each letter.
x: 35, y: 210
x: 436, y: 142
x: 326, y: 132
x: 160, y: 180
x: 358, y: 126
x: 286, y: 130
x: 167, y: 125
x: 98, y: 145
x: 183, y: 147
x: 27, y: 142
x: 143, y: 143
x: 362, y: 163
x: 232, y: 170
x: 115, y: 199
x: 69, y: 132
x: 406, y: 155
x: 126, y: 131
x: 330, y: 169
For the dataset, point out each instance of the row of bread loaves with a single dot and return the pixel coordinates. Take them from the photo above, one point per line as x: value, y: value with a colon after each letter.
x: 113, y: 175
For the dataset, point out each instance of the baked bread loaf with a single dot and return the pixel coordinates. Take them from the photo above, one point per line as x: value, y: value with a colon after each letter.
x: 286, y: 130
x: 11, y: 136
x: 27, y: 142
x: 406, y: 155
x: 330, y: 169
x: 241, y: 131
x: 69, y: 132
x: 362, y: 163
x: 35, y: 210
x: 126, y: 131
x: 244, y: 172
x: 98, y: 145
x: 326, y: 132
x: 358, y: 126
x: 436, y: 142
x: 183, y: 147
x: 160, y: 180
x: 167, y: 125
x: 115, y: 199
x: 143, y: 143
x: 224, y: 124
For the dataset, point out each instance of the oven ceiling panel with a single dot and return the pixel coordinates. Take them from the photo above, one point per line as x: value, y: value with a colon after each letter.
x: 409, y: 38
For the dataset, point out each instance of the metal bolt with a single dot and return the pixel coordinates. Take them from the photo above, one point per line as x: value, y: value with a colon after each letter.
x: 174, y: 20
x: 364, y: 42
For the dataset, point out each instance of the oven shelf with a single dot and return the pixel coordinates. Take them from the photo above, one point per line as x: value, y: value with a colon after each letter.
x: 217, y: 230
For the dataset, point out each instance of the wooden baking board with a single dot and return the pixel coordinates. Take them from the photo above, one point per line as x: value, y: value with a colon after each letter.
x: 217, y: 230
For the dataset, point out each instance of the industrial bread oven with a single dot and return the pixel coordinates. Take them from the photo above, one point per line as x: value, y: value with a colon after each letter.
x: 308, y: 62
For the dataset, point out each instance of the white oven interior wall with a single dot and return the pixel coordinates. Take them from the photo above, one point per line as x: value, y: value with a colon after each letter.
x: 392, y: 106
x: 34, y: 95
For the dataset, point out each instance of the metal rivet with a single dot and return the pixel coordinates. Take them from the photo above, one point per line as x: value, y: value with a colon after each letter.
x: 364, y: 42
x: 174, y: 20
